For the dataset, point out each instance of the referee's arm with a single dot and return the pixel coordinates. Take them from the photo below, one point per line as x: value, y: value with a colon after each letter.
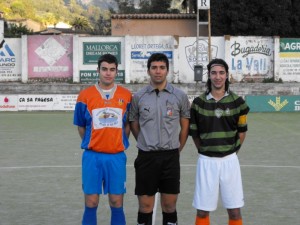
x: 184, y: 132
x: 135, y: 128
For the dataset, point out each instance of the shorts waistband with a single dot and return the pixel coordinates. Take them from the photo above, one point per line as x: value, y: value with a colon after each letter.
x: 232, y: 155
x: 158, y: 151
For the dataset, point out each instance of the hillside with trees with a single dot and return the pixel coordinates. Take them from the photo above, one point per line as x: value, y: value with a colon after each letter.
x: 49, y: 12
x: 228, y: 17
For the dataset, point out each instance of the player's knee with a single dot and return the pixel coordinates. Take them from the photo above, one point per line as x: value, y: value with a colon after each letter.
x: 234, y: 214
x: 145, y: 207
x: 169, y: 208
x: 91, y: 202
x: 116, y: 201
x: 202, y: 214
x: 116, y: 204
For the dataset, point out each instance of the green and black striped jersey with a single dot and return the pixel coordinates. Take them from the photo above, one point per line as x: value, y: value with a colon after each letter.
x: 218, y: 123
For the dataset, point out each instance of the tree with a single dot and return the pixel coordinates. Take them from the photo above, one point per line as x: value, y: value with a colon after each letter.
x: 103, y: 26
x: 295, y: 17
x: 158, y: 6
x: 145, y: 6
x: 81, y: 23
x: 126, y: 6
x: 16, y: 31
x: 255, y: 17
x: 18, y: 8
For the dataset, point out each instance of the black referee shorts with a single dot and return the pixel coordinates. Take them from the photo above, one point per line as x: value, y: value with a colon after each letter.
x: 157, y: 171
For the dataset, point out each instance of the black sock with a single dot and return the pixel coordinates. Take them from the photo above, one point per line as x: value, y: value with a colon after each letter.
x: 170, y: 218
x: 144, y: 218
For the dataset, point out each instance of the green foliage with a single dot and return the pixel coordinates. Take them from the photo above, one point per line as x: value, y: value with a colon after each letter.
x: 50, y: 12
x: 16, y: 31
x: 81, y: 23
x: 103, y: 26
x: 145, y: 6
x: 255, y: 17
x: 126, y: 6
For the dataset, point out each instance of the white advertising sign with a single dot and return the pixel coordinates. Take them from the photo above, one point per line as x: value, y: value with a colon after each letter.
x: 47, y: 102
x: 8, y: 102
x: 289, y: 67
x: 10, y: 59
x: 140, y: 48
x: 187, y: 55
x: 37, y: 102
x: 250, y: 58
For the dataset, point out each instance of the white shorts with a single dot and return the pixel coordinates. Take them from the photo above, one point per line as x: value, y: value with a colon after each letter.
x: 214, y: 174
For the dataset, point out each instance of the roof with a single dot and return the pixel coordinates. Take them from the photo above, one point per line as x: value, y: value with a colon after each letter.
x: 154, y: 16
x: 61, y: 31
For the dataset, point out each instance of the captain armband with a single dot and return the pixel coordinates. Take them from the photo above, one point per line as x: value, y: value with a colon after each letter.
x: 242, y: 120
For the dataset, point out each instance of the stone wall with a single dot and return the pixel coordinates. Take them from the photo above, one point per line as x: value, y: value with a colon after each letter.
x: 242, y: 89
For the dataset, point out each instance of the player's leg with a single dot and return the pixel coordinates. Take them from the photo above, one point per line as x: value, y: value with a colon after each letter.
x: 115, y: 185
x: 147, y: 169
x: 235, y: 216
x: 168, y: 205
x: 169, y: 186
x: 232, y: 189
x: 90, y: 210
x: 206, y: 188
x: 117, y: 210
x: 146, y: 204
x: 202, y: 218
x: 91, y: 186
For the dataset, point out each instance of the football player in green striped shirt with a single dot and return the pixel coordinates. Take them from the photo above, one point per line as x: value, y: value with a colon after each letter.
x: 218, y: 126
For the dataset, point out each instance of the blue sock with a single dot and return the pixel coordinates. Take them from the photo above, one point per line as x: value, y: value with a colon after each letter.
x: 117, y: 216
x: 89, y: 216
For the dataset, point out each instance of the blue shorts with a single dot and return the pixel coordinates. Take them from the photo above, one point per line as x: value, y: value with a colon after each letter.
x: 103, y: 170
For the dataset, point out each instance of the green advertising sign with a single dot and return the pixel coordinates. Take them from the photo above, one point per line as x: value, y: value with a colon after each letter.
x: 92, y: 76
x: 271, y: 103
x: 93, y: 50
x: 289, y: 45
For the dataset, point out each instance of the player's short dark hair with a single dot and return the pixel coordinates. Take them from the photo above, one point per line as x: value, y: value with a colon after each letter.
x: 109, y: 58
x: 158, y: 57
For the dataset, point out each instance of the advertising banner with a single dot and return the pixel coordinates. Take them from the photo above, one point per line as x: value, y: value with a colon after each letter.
x: 250, y: 58
x: 10, y: 59
x: 274, y: 103
x: 289, y: 68
x: 139, y: 49
x: 50, y: 56
x: 89, y: 51
x: 93, y: 50
x: 49, y: 102
x: 187, y: 55
x: 92, y: 76
x: 8, y: 102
